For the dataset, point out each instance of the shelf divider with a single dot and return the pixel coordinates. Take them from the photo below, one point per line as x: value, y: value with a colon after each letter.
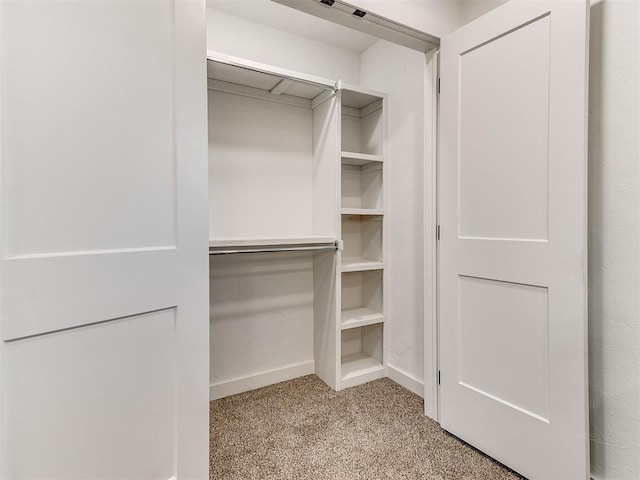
x: 359, y: 317
x: 360, y: 265
x: 359, y: 368
x: 359, y: 159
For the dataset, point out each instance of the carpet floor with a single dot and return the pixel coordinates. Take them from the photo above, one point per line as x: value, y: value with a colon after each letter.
x: 303, y: 430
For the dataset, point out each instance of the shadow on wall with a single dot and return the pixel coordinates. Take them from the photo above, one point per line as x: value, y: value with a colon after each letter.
x: 614, y: 240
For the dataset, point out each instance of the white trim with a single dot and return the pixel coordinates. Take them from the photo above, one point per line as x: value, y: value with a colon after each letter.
x: 370, y: 375
x: 259, y: 380
x: 406, y: 380
x: 430, y: 199
x: 341, y: 12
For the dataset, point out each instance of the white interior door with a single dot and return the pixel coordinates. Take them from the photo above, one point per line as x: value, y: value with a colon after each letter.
x: 104, y: 270
x: 513, y: 237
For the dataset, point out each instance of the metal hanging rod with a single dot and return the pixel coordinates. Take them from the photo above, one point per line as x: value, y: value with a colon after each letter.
x: 275, y: 249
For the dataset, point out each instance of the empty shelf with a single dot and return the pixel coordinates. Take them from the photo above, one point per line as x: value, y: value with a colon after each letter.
x: 360, y: 265
x: 362, y: 211
x: 353, y: 158
x: 357, y: 364
x: 359, y: 317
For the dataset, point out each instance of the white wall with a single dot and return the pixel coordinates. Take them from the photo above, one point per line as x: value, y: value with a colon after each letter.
x: 614, y: 239
x: 472, y: 9
x: 261, y: 320
x: 254, y: 41
x: 261, y: 186
x: 400, y: 72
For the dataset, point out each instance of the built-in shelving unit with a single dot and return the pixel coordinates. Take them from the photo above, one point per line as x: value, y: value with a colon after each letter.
x: 362, y: 225
x: 296, y: 174
x: 273, y: 197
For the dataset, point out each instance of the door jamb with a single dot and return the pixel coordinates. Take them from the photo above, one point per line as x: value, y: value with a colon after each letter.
x: 431, y: 219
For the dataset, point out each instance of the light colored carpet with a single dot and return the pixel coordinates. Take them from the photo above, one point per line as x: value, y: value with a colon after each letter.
x: 303, y: 430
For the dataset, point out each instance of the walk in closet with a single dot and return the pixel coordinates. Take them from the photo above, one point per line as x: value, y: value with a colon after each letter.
x: 323, y: 224
x: 296, y: 193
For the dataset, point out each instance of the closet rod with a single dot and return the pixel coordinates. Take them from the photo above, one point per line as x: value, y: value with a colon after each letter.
x: 274, y: 249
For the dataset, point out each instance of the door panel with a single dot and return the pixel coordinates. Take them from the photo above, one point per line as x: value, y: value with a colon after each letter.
x: 120, y: 382
x: 80, y: 91
x: 513, y: 237
x: 503, y: 164
x: 490, y: 312
x: 104, y: 265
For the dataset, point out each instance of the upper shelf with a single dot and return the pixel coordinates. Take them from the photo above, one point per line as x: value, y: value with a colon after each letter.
x: 235, y: 75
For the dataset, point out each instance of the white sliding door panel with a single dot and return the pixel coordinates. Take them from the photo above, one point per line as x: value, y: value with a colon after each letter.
x: 513, y: 237
x: 103, y: 266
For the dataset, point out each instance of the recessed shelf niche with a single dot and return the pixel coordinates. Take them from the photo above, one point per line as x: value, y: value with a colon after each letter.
x: 362, y: 126
x: 361, y: 299
x: 362, y: 186
x: 362, y: 237
x: 362, y: 355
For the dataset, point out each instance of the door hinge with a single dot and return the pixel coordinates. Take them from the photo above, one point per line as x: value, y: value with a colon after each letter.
x: 438, y: 232
x: 438, y: 377
x: 438, y: 87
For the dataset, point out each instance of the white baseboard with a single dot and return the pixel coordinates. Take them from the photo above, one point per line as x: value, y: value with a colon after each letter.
x: 406, y: 380
x: 244, y: 384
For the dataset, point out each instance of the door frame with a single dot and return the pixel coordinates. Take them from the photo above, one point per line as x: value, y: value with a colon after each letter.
x: 431, y: 362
